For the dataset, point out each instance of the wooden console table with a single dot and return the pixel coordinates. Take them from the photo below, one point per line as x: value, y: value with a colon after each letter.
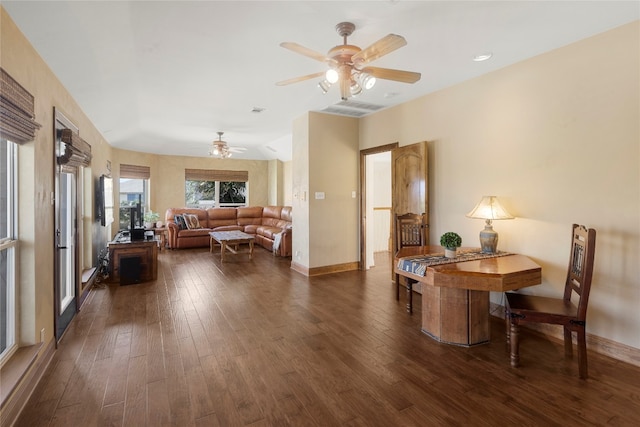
x: 132, y: 261
x: 455, y: 296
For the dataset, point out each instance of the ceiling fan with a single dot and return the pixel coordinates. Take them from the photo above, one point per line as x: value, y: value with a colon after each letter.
x: 348, y: 63
x: 222, y: 150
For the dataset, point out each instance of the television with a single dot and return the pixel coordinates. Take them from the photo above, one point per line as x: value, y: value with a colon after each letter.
x: 104, y: 199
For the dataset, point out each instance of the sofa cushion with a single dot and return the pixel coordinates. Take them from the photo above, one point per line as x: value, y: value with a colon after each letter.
x: 227, y: 228
x: 268, y: 231
x: 251, y: 228
x: 218, y: 217
x: 271, y: 215
x: 193, y: 233
x: 285, y: 214
x: 250, y: 216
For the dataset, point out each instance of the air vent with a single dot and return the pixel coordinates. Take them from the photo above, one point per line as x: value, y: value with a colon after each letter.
x: 352, y: 108
x: 360, y: 105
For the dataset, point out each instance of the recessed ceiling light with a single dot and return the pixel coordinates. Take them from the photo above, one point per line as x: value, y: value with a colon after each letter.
x: 257, y: 110
x: 482, y: 57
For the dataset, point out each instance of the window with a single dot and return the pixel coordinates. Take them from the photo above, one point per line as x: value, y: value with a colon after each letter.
x: 134, y: 189
x: 8, y: 245
x: 215, y: 193
x: 215, y: 188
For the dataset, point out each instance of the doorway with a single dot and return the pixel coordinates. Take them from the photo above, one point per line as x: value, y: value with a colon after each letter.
x: 409, y: 186
x: 376, y: 203
x: 67, y: 276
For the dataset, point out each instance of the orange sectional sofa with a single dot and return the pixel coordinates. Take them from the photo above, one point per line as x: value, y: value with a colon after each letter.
x: 263, y: 222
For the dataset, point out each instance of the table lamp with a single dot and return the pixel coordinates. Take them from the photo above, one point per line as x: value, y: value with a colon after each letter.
x: 489, y: 209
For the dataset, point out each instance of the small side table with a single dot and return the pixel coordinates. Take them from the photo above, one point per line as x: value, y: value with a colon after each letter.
x: 162, y: 232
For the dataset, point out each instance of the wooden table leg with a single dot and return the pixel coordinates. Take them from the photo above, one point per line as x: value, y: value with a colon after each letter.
x: 409, y: 296
x: 211, y: 245
x: 251, y: 249
x: 223, y: 249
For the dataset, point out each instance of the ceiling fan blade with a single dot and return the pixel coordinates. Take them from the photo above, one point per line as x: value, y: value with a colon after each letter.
x: 380, y: 48
x: 305, y: 51
x: 237, y: 149
x: 299, y: 79
x: 390, y: 74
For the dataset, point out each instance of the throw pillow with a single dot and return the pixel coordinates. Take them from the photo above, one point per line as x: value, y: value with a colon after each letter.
x: 179, y: 220
x: 192, y: 221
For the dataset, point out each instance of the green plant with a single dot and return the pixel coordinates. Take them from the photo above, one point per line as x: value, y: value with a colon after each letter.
x: 151, y: 216
x: 450, y: 240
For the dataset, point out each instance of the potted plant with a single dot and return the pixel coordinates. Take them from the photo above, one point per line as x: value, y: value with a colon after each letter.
x: 450, y: 241
x: 150, y: 218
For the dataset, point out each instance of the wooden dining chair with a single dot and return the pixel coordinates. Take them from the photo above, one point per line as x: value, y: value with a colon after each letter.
x: 535, y: 309
x: 410, y: 230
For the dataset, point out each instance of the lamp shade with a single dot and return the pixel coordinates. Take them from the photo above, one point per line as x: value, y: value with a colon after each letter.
x: 489, y: 208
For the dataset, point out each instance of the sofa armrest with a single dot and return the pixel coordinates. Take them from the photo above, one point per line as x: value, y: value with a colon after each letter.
x: 173, y: 229
x: 286, y: 245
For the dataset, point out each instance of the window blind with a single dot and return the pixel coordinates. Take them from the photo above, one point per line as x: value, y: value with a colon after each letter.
x: 215, y: 175
x: 77, y: 152
x: 17, y: 117
x: 135, y: 172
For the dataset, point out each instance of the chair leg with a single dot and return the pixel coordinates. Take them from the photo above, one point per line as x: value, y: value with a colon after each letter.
x: 582, y: 354
x: 409, y: 296
x: 568, y: 342
x: 515, y: 350
x: 507, y: 323
x: 397, y: 287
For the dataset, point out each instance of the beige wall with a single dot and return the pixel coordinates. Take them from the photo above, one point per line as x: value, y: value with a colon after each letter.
x: 557, y: 138
x: 326, y: 162
x: 333, y: 221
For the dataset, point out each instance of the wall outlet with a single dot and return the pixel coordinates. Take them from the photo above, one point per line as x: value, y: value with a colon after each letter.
x: 42, y: 335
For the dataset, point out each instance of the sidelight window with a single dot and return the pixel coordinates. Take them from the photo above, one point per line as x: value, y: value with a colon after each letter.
x: 8, y: 247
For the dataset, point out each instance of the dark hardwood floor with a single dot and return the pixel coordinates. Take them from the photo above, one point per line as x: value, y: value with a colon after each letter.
x: 255, y: 343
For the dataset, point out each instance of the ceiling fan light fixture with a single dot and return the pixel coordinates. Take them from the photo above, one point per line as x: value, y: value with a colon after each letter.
x: 356, y: 89
x: 367, y: 81
x: 324, y: 86
x: 332, y: 76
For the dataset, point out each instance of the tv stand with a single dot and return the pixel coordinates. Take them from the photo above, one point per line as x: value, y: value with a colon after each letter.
x: 132, y: 261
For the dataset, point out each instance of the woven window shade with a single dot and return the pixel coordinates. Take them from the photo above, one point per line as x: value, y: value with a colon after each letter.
x: 135, y: 172
x: 77, y: 151
x: 215, y: 175
x: 17, y: 117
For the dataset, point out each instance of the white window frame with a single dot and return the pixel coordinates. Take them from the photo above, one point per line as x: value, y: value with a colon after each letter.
x: 10, y: 244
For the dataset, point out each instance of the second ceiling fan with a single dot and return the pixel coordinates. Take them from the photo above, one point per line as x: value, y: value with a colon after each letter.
x: 348, y: 63
x: 221, y: 149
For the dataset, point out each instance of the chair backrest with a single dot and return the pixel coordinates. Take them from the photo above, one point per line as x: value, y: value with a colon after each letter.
x: 583, y: 245
x: 410, y: 230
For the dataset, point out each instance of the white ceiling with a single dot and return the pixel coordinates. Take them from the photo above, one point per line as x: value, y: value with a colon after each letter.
x: 164, y: 77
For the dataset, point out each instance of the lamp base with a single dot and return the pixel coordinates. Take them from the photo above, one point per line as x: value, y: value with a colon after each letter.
x: 488, y: 239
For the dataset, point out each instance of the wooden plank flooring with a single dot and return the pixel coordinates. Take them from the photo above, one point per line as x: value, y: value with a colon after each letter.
x: 255, y: 343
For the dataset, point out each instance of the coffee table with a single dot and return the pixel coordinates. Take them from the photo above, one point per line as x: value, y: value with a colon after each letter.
x: 227, y: 239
